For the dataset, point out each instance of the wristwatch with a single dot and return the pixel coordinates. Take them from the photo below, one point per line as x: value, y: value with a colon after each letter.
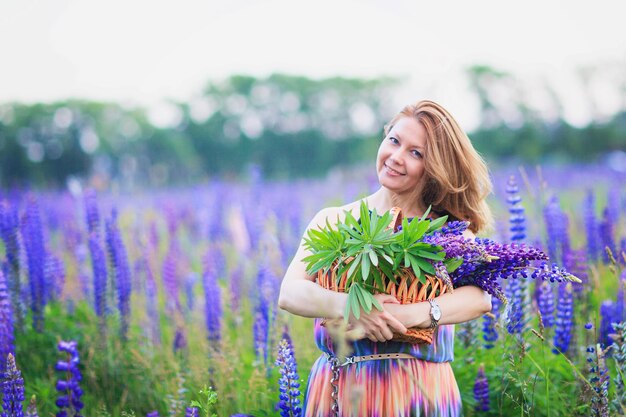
x: 435, y: 313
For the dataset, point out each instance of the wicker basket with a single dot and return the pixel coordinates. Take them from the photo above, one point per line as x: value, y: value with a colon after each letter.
x: 408, y: 290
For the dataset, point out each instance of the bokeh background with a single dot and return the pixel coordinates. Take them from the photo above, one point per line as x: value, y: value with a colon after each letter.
x: 160, y: 161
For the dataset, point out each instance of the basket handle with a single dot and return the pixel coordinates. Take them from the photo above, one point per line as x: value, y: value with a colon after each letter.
x: 396, y: 220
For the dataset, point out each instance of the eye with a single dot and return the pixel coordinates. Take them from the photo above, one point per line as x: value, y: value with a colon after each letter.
x: 416, y: 153
x: 393, y: 140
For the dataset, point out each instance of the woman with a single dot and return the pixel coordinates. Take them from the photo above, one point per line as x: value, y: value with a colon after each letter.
x: 425, y: 159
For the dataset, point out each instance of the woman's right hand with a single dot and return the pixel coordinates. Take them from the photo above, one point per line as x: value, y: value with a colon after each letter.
x: 378, y: 326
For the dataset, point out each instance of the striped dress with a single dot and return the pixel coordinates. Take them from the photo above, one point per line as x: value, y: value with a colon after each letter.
x: 424, y: 386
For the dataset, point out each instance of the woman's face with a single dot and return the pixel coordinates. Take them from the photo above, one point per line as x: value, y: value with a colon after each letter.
x: 400, y: 159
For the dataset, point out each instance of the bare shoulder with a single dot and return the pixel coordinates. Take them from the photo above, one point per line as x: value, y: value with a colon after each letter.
x: 467, y: 233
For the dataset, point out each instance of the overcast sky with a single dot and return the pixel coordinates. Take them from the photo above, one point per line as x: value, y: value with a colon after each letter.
x: 146, y: 51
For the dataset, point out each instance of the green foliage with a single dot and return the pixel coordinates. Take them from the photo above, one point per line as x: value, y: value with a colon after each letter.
x: 370, y: 251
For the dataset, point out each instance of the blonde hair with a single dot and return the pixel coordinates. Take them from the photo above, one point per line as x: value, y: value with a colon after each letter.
x: 456, y: 179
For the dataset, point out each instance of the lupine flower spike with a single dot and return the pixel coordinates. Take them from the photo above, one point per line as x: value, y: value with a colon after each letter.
x: 619, y: 355
x: 68, y: 386
x: 12, y: 390
x: 564, y: 317
x: 289, y: 382
x: 481, y: 390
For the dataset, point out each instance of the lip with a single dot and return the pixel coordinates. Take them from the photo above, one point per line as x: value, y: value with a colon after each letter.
x: 392, y: 171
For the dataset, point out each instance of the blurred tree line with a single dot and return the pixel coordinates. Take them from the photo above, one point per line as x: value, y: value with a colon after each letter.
x: 285, y: 125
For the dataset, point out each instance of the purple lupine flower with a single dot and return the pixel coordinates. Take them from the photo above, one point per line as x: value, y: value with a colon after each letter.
x: 31, y: 410
x: 32, y: 231
x: 180, y: 340
x: 92, y: 214
x: 98, y: 264
x: 517, y: 218
x: 481, y: 390
x: 188, y: 285
x: 576, y: 263
x: 545, y: 302
x: 7, y: 335
x: 564, y: 319
x: 607, y: 234
x: 235, y: 283
x: 490, y: 322
x: 12, y: 390
x: 515, y: 310
x: 151, y: 302
x: 591, y: 227
x: 289, y: 382
x: 68, y: 386
x: 54, y: 271
x: 153, y: 414
x: 607, y: 319
x: 212, y: 298
x: 9, y: 232
x: 170, y: 279
x: 121, y: 268
x: 192, y: 412
x: 599, y: 379
x: 557, y: 223
x: 262, y: 312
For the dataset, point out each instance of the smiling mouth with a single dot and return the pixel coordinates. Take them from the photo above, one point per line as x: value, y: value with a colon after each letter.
x: 393, y: 170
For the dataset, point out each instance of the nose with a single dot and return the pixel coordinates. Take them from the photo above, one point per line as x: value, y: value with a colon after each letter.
x: 396, y: 156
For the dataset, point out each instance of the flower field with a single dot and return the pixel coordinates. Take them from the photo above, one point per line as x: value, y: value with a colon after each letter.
x: 165, y: 302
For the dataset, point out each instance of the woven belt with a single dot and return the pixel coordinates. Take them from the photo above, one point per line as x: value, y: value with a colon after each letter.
x: 356, y: 359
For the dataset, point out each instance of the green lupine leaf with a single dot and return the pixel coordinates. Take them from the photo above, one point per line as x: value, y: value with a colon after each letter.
x: 426, y: 213
x: 373, y: 257
x: 396, y: 262
x: 377, y: 304
x: 354, y: 301
x: 365, y: 216
x: 367, y: 299
x: 361, y: 297
x: 365, y: 267
x: 407, y: 261
x: 437, y: 223
x: 346, y: 311
x: 423, y: 264
x: 354, y: 264
x: 378, y: 279
x: 452, y: 264
x: 439, y: 256
x: 422, y: 227
x: 387, y: 258
x: 418, y: 272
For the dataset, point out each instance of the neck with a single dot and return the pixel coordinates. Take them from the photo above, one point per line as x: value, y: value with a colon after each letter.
x: 384, y: 199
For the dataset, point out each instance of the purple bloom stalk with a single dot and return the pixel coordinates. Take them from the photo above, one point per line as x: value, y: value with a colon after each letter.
x: 591, y: 227
x: 153, y: 414
x: 517, y: 218
x: 9, y: 232
x: 119, y: 264
x: 55, y: 277
x: 599, y: 379
x: 619, y: 355
x: 180, y: 340
x: 516, y: 319
x: 212, y: 298
x: 151, y: 302
x: 12, y: 390
x: 607, y: 319
x: 545, y: 302
x: 490, y: 322
x: 192, y: 412
x: 98, y: 264
x: 607, y: 234
x: 32, y: 231
x: 235, y: 284
x: 69, y: 402
x: 289, y: 382
x: 7, y: 335
x: 92, y: 214
x: 262, y: 312
x: 557, y: 223
x: 481, y: 391
x: 170, y: 280
x: 564, y: 319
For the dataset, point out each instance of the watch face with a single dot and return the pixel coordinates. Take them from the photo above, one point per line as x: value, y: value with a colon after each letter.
x: 436, y: 312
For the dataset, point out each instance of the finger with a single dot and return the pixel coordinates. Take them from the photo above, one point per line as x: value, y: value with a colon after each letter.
x: 395, y: 324
x: 379, y: 335
x: 387, y: 333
